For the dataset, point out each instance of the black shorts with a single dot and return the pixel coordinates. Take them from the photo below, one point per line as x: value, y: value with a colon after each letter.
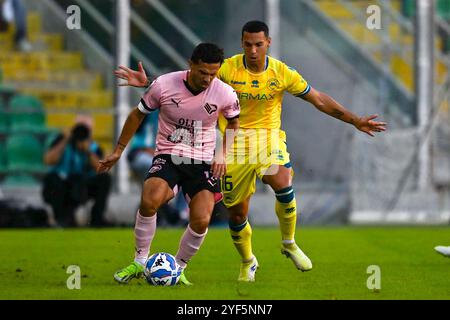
x: 191, y: 176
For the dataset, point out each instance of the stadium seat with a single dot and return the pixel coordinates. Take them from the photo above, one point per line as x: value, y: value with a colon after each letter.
x: 27, y: 114
x: 443, y: 9
x: 24, y: 153
x: 29, y: 122
x: 21, y: 102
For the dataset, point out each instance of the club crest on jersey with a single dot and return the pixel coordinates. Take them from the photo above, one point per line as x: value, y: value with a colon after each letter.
x: 273, y: 84
x: 255, y: 84
x: 210, y: 108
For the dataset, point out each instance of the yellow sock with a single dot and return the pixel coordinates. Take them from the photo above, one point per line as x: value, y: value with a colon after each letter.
x: 242, y: 239
x: 286, y: 210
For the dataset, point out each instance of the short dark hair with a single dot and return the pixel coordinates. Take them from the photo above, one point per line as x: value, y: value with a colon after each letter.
x: 208, y: 53
x: 80, y: 133
x: 255, y: 26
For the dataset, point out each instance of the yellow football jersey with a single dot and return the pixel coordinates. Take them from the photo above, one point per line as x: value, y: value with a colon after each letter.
x: 261, y: 95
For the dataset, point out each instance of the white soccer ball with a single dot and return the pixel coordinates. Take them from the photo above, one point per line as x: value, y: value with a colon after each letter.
x: 161, y: 269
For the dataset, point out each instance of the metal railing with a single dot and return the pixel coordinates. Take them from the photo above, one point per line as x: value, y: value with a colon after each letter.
x: 109, y: 28
x: 393, y: 18
x: 320, y: 28
x: 149, y: 32
x: 406, y: 27
x: 183, y: 29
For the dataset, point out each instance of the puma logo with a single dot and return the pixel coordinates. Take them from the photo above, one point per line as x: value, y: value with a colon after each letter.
x: 177, y: 103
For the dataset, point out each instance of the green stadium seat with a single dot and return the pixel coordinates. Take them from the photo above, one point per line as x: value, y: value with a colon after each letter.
x: 20, y: 102
x: 27, y: 122
x: 24, y: 154
x: 443, y: 9
x: 19, y: 180
x: 27, y: 114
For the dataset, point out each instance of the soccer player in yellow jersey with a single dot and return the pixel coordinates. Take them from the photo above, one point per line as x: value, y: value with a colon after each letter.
x: 260, y: 148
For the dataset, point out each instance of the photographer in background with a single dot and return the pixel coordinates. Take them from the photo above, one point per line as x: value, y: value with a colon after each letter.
x: 72, y: 179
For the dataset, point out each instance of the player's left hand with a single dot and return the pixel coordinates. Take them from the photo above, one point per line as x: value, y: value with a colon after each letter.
x: 106, y: 164
x: 134, y: 78
x: 367, y: 125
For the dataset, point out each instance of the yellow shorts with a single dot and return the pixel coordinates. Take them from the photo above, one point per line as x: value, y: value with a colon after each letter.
x: 255, y: 153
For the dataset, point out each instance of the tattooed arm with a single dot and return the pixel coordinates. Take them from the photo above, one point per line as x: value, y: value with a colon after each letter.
x: 328, y: 105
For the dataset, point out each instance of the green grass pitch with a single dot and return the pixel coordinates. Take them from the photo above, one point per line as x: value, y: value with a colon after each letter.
x: 34, y: 264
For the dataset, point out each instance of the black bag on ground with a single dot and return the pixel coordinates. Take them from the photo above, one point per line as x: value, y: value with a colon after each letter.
x: 14, y: 214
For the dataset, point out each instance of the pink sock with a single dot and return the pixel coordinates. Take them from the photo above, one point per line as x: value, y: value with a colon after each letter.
x: 144, y: 231
x: 189, y: 245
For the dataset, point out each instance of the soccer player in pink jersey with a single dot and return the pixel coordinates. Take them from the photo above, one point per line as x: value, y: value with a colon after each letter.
x: 189, y: 103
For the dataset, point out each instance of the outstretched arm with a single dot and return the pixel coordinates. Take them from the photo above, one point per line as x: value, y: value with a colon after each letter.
x: 129, y: 129
x: 134, y: 78
x: 328, y: 105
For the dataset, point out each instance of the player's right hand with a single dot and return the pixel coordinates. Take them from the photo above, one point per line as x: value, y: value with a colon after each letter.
x: 218, y: 168
x: 133, y: 78
x: 106, y: 164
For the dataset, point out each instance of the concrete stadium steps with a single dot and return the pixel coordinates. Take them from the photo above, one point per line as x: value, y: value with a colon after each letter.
x: 46, y: 41
x: 334, y: 10
x: 72, y: 99
x: 401, y: 65
x: 59, y: 79
x: 441, y: 72
x: 403, y: 70
x: 34, y: 23
x: 6, y: 41
x: 362, y: 35
x: 75, y: 80
x: 39, y: 40
x: 363, y: 4
x: 37, y: 61
x: 400, y: 68
x: 103, y: 122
